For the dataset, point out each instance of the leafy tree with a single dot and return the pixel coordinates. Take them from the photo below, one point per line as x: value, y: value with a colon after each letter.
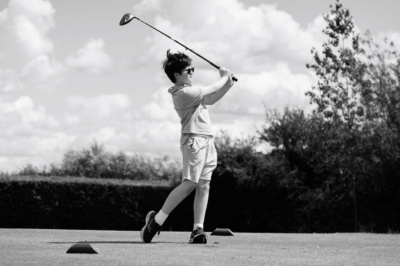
x: 358, y: 84
x: 313, y: 148
x: 338, y: 93
x: 381, y: 98
x: 381, y: 82
x: 260, y: 178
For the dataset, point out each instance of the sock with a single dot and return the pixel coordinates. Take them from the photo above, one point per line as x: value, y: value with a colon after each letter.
x: 197, y: 225
x: 161, y: 217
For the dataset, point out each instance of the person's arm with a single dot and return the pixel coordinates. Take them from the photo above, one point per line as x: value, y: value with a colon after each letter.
x: 216, y: 91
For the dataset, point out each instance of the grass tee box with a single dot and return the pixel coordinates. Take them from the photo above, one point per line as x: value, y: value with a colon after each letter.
x: 48, y: 247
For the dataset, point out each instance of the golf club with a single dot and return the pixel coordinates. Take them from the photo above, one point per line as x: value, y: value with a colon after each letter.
x: 128, y: 17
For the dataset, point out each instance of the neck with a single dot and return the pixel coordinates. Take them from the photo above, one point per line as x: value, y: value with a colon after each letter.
x: 178, y: 84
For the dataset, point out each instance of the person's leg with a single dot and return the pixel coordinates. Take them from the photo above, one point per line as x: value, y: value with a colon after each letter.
x: 200, y: 202
x: 203, y: 186
x: 190, y: 174
x: 177, y: 195
x: 154, y: 220
x: 198, y: 235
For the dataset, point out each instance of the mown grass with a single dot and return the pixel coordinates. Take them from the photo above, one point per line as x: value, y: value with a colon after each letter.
x: 48, y: 247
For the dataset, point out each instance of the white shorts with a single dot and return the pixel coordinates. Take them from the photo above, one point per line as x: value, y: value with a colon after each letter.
x: 199, y: 158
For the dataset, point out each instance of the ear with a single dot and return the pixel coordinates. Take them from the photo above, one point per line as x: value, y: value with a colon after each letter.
x: 176, y: 75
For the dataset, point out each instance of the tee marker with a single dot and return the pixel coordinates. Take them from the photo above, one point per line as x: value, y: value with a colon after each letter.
x: 82, y: 247
x: 222, y: 232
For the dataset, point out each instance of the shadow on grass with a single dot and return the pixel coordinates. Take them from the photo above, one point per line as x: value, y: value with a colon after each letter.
x: 113, y: 242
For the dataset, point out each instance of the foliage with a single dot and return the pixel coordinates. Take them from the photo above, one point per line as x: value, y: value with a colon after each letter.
x: 315, y: 153
x: 358, y: 88
x: 338, y: 91
x: 76, y: 204
x: 96, y: 162
x: 381, y: 82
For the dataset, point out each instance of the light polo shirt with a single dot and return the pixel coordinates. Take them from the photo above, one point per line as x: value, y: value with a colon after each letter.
x: 188, y: 103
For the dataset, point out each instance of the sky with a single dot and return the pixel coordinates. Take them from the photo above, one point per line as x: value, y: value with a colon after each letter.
x: 70, y: 75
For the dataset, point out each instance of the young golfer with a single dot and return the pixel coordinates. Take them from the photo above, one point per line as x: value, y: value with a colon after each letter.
x: 197, y: 146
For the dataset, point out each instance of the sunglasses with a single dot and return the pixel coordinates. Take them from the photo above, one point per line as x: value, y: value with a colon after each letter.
x: 189, y: 70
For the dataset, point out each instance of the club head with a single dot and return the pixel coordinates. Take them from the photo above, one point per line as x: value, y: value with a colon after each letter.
x: 126, y: 19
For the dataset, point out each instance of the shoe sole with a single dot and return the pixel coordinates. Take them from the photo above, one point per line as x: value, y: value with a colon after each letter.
x: 144, y: 227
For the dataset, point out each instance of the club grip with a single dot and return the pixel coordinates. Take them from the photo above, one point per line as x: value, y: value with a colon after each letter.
x: 234, y: 78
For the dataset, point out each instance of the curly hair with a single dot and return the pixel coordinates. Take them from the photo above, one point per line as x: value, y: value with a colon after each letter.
x: 175, y: 63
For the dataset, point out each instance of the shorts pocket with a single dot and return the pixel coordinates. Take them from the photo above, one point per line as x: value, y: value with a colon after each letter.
x: 196, y: 143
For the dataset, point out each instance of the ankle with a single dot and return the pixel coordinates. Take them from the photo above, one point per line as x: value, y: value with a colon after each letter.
x: 195, y: 226
x: 161, y: 217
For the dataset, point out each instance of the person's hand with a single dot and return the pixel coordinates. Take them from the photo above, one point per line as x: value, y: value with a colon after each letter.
x: 224, y: 72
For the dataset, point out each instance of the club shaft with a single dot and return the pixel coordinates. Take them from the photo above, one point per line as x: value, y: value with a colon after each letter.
x: 205, y: 59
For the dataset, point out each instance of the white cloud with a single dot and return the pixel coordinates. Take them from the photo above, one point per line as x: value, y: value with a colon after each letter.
x: 244, y: 105
x: 102, y: 105
x: 25, y: 48
x: 41, y: 70
x: 31, y: 38
x: 161, y: 108
x: 265, y: 48
x: 315, y: 28
x: 23, y: 111
x: 91, y: 58
x: 40, y: 11
x: 3, y: 16
x: 152, y: 136
x: 71, y: 119
x: 246, y: 40
x: 104, y: 134
x: 139, y: 135
x: 25, y: 27
x: 28, y: 134
x: 17, y: 152
x: 242, y: 109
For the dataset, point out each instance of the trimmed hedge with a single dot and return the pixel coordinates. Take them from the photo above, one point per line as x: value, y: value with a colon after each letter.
x: 79, y: 203
x: 75, y: 204
x: 98, y: 204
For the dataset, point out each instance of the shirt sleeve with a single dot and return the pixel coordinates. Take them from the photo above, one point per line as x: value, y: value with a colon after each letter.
x: 188, y: 97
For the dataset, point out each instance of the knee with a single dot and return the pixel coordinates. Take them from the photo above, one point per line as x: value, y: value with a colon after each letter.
x: 189, y: 186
